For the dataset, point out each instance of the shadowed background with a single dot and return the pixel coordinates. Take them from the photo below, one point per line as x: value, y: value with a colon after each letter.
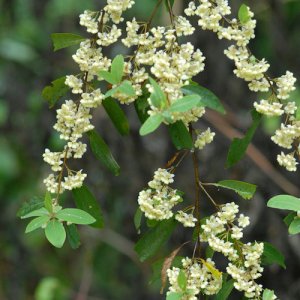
x: 106, y: 266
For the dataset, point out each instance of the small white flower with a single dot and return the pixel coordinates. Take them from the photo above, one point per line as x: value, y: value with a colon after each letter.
x: 285, y: 84
x: 269, y: 109
x: 187, y: 220
x: 288, y: 161
x: 204, y: 138
x: 74, y: 83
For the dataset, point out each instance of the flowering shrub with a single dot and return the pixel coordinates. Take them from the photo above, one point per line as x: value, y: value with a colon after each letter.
x: 157, y: 78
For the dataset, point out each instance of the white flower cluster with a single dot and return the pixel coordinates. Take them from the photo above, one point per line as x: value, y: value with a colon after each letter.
x: 187, y: 220
x: 204, y: 139
x: 172, y: 64
x: 89, y: 19
x: 288, y: 161
x: 72, y: 122
x: 91, y: 59
x: 285, y: 85
x: 287, y: 136
x: 73, y: 118
x: 269, y: 109
x: 223, y: 232
x: 115, y: 8
x: 158, y: 200
x: 214, y: 15
x: 199, y: 278
x: 183, y: 26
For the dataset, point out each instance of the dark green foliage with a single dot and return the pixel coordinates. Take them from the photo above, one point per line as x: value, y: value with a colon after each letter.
x: 102, y: 152
x: 207, y: 97
x: 180, y: 136
x: 73, y: 236
x: 117, y: 116
x: 65, y: 40
x: 272, y: 255
x: 154, y: 239
x: 239, y: 146
x: 86, y: 201
x: 55, y: 91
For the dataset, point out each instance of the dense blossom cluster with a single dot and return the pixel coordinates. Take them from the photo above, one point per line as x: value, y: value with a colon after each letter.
x: 223, y: 232
x: 199, y: 278
x: 159, y: 54
x: 172, y: 64
x: 158, y: 200
x: 204, y: 139
x: 74, y: 118
x: 214, y: 15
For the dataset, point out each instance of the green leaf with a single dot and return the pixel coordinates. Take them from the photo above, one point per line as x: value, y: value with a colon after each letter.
x: 52, y: 93
x: 151, y: 223
x: 239, y: 146
x: 36, y: 213
x: 75, y: 215
x: 268, y: 294
x: 111, y: 93
x: 209, y: 252
x: 102, y: 152
x: 126, y: 88
x: 37, y: 223
x: 289, y: 218
x: 154, y: 239
x: 48, y: 202
x: 73, y: 236
x: 243, y: 14
x: 207, y: 98
x: 117, y: 68
x: 225, y: 291
x: 151, y: 124
x: 138, y: 219
x: 182, y: 280
x: 29, y: 206
x: 107, y: 76
x: 180, y: 136
x: 185, y: 103
x: 55, y: 233
x: 168, y: 118
x: 49, y: 288
x: 142, y: 106
x: 272, y: 255
x: 64, y: 40
x: 86, y: 201
x: 244, y: 189
x: 174, y: 296
x: 285, y: 202
x: 294, y: 228
x: 158, y: 97
x: 116, y: 115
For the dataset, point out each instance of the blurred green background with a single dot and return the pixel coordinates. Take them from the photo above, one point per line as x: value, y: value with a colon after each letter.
x: 105, y: 266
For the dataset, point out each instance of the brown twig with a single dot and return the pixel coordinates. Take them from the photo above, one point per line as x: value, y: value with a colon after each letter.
x: 153, y: 14
x: 197, y: 193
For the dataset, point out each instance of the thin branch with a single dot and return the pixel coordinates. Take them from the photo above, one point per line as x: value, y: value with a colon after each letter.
x: 197, y: 193
x: 153, y: 14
